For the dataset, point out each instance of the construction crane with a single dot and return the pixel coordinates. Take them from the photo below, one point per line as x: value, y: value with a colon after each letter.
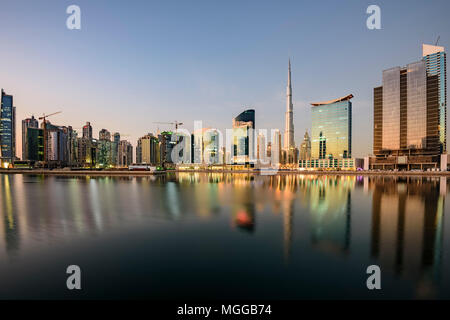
x: 437, y: 41
x: 175, y: 123
x: 44, y: 118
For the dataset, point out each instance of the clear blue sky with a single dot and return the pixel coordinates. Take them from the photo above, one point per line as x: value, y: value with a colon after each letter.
x: 136, y: 62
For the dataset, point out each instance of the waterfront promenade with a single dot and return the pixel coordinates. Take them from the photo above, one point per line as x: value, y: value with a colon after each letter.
x: 255, y: 172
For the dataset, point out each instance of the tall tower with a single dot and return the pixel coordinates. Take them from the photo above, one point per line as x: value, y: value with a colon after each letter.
x: 289, y: 126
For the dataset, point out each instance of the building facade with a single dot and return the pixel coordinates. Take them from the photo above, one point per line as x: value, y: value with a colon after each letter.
x: 87, y: 131
x: 410, y: 115
x: 305, y: 147
x: 243, y: 137
x: 7, y: 130
x: 27, y: 123
x: 331, y: 136
x: 332, y: 129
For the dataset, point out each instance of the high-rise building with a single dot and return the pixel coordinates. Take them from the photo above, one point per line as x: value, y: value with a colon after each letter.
x: 87, y: 131
x: 305, y: 147
x: 409, y: 114
x: 104, y: 135
x: 125, y: 154
x: 57, y: 145
x: 87, y: 152
x: 275, y: 148
x: 27, y: 123
x: 211, y: 147
x: 116, y: 137
x: 166, y: 146
x: 436, y: 62
x: 332, y: 129
x: 139, y: 150
x: 148, y: 152
x: 289, y: 142
x: 331, y: 136
x: 35, y: 144
x: 261, y: 148
x: 243, y: 137
x: 7, y: 130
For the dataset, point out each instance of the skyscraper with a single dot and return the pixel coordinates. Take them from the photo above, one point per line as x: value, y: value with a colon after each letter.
x: 27, y: 123
x: 305, y: 147
x: 7, y: 129
x: 436, y: 63
x: 87, y: 131
x: 331, y: 136
x: 332, y: 129
x: 104, y: 135
x: 289, y: 125
x: 275, y: 148
x: 409, y: 114
x: 243, y: 137
x: 147, y: 150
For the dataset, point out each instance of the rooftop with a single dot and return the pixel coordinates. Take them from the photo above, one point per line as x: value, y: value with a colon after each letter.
x: 348, y: 97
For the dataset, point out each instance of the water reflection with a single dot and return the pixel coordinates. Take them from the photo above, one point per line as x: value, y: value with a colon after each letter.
x: 407, y: 228
x: 301, y: 215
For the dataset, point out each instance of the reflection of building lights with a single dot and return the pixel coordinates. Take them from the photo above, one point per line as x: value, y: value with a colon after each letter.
x: 243, y: 218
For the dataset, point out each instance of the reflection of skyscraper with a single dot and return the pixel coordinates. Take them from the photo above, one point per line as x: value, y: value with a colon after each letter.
x: 9, y: 217
x: 330, y: 203
x: 407, y: 226
x: 243, y: 208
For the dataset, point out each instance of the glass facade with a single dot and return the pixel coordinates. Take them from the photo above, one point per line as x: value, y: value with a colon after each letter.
x: 243, y: 137
x: 436, y: 64
x: 7, y: 128
x: 391, y: 109
x: 416, y: 105
x: 332, y: 130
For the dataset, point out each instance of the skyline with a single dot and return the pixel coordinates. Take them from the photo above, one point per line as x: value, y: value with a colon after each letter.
x: 94, y: 77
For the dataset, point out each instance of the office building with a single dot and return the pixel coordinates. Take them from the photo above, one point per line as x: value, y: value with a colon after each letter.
x: 331, y: 136
x: 34, y: 144
x: 147, y: 150
x: 27, y: 123
x: 275, y: 148
x: 410, y: 114
x: 125, y: 154
x: 104, y: 135
x: 87, y: 131
x: 7, y: 130
x: 243, y: 137
x: 436, y: 63
x: 305, y: 147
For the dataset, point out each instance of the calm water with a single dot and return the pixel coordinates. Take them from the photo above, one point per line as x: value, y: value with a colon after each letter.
x: 224, y: 236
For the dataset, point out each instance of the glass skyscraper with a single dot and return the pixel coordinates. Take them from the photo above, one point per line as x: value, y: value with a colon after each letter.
x: 243, y: 137
x: 436, y: 64
x: 332, y: 129
x: 7, y: 129
x: 410, y: 114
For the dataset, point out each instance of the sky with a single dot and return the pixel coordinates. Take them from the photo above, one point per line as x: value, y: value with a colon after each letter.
x: 137, y: 62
